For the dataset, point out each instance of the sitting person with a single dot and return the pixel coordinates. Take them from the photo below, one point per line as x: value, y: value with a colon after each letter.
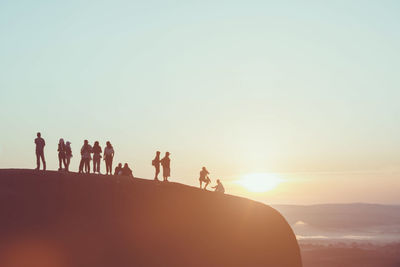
x: 118, y: 169
x: 219, y: 188
x: 204, y: 178
x: 126, y: 171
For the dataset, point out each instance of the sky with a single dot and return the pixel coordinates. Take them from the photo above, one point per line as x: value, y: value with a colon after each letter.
x: 305, y: 91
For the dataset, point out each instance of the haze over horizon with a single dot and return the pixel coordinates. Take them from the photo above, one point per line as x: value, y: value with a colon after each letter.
x: 304, y: 92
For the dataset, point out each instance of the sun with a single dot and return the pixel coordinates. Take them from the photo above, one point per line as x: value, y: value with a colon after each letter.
x: 259, y: 182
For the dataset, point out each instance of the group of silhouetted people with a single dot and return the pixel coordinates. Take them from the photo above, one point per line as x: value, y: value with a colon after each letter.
x: 204, y: 178
x: 65, y: 155
x: 165, y: 163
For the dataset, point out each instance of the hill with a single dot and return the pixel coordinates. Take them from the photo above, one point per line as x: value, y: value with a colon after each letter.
x: 357, y: 221
x: 59, y: 220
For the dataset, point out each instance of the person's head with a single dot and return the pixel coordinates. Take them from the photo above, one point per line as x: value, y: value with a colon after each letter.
x: 218, y: 181
x: 96, y: 143
x: 108, y: 144
x: 38, y: 134
x: 204, y: 168
x: 126, y: 165
x: 61, y: 141
x: 86, y: 142
x: 120, y: 165
x: 158, y: 153
x: 167, y: 154
x: 68, y: 143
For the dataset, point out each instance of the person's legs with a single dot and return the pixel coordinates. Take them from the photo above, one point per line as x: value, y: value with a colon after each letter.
x: 94, y: 165
x: 67, y: 162
x: 43, y: 160
x: 81, y: 165
x: 37, y: 160
x: 207, y: 183
x: 157, y: 172
x: 98, y: 166
x: 88, y: 165
x: 107, y: 160
x: 59, y: 162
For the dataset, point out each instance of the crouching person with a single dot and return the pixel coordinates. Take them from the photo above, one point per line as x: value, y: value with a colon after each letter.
x: 219, y: 188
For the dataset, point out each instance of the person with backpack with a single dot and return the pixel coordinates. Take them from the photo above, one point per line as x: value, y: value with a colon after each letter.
x: 108, y: 157
x: 68, y: 155
x: 219, y: 188
x: 86, y: 151
x: 165, y: 163
x: 156, y: 163
x: 40, y: 144
x: 61, y: 154
x: 96, y: 157
x: 204, y: 178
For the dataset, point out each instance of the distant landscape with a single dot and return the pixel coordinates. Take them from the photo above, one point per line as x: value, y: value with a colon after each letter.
x: 346, y: 235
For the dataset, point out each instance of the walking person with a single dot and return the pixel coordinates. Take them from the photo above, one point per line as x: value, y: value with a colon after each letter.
x: 96, y: 157
x: 61, y: 154
x: 68, y: 155
x: 108, y: 157
x: 204, y: 178
x: 156, y: 164
x: 165, y: 163
x: 40, y: 143
x: 86, y: 151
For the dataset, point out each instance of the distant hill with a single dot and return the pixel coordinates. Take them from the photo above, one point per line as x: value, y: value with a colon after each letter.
x: 61, y: 220
x: 357, y: 221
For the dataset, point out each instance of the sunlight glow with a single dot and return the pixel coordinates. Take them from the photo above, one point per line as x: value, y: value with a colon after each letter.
x: 259, y: 182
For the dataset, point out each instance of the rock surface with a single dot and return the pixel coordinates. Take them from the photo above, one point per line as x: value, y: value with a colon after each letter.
x: 70, y: 220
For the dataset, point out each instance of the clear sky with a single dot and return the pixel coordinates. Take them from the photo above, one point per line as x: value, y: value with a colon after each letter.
x: 305, y: 90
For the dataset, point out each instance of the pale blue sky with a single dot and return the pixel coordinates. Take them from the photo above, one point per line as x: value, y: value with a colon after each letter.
x: 298, y: 87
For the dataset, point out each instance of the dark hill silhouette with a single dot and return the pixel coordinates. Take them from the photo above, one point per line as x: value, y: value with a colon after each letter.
x: 63, y: 220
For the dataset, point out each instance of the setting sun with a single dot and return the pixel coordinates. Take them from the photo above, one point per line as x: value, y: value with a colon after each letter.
x: 259, y: 182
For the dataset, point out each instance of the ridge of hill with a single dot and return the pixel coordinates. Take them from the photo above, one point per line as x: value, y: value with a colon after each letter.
x: 66, y: 219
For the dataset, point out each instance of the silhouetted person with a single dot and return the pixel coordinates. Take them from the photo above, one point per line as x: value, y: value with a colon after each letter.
x: 165, y: 163
x: 40, y: 143
x: 68, y: 155
x: 86, y: 151
x: 204, y: 178
x: 108, y: 157
x: 118, y: 169
x: 219, y: 188
x: 96, y: 157
x: 126, y: 171
x: 156, y: 164
x: 61, y: 154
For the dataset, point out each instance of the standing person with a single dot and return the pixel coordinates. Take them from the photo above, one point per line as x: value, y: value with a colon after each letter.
x: 126, y: 171
x: 165, y: 162
x: 108, y: 157
x: 204, y: 177
x: 156, y: 164
x: 61, y: 154
x: 96, y: 157
x: 219, y: 188
x: 86, y: 151
x: 40, y: 143
x: 118, y: 169
x: 68, y: 155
